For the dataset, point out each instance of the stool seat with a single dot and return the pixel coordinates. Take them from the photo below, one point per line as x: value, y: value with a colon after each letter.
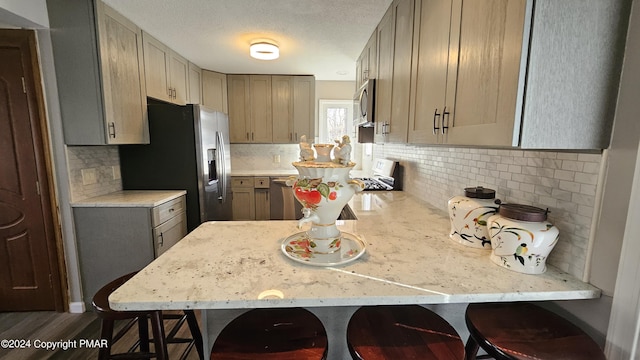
x: 402, y: 332
x: 281, y: 334
x: 526, y: 331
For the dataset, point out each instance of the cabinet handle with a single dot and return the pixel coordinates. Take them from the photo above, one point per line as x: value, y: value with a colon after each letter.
x: 435, y: 122
x: 247, y: 136
x: 252, y: 137
x: 161, y: 242
x: 171, y: 210
x: 290, y: 136
x: 445, y: 113
x: 112, y: 130
x: 296, y: 137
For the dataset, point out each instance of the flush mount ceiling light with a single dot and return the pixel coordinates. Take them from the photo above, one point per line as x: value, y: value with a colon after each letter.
x: 264, y: 50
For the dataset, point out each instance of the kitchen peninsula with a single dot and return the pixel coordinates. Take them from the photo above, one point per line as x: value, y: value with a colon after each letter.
x: 409, y: 259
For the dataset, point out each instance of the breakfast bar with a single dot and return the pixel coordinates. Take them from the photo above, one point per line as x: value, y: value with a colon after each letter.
x: 407, y: 259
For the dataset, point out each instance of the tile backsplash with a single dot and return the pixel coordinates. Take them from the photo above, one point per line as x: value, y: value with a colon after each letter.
x: 563, y: 182
x: 263, y: 156
x: 99, y: 160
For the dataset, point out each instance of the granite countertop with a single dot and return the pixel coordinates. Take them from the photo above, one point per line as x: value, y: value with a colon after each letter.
x: 131, y: 198
x: 409, y: 259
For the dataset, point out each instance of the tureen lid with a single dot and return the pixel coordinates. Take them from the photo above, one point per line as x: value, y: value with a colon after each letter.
x: 479, y: 192
x: 523, y: 212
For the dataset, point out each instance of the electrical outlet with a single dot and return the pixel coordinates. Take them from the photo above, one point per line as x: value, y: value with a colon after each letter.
x: 115, y: 170
x: 89, y: 176
x: 276, y: 159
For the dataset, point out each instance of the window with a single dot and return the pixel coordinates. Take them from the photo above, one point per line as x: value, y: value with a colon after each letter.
x: 335, y: 120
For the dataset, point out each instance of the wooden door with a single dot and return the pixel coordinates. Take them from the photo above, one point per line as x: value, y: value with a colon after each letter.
x: 488, y: 72
x: 195, y: 84
x: 125, y: 97
x: 261, y: 117
x: 238, y: 96
x: 179, y: 72
x: 214, y: 91
x: 430, y: 65
x: 282, y: 108
x: 262, y: 204
x: 29, y: 272
x: 401, y: 79
x: 385, y: 74
x: 304, y: 97
x: 156, y: 66
x: 244, y: 206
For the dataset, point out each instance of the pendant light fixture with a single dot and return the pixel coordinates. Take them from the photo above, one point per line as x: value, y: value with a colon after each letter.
x: 264, y: 50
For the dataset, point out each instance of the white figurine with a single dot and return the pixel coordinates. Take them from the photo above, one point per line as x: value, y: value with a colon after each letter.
x: 306, y: 152
x: 342, y: 151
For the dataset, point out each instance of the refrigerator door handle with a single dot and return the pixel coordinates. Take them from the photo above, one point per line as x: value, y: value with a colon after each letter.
x: 220, y: 168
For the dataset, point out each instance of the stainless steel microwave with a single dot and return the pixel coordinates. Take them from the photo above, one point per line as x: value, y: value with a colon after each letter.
x: 364, y: 101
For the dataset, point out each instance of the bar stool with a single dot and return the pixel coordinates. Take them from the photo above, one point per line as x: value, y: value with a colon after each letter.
x: 283, y: 334
x: 109, y: 316
x: 521, y: 330
x: 401, y: 332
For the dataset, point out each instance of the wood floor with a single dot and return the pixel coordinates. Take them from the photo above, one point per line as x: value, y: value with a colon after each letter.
x: 54, y: 327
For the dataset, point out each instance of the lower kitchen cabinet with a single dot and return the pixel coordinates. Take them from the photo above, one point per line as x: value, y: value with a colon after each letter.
x: 250, y: 198
x: 261, y: 198
x: 116, y: 239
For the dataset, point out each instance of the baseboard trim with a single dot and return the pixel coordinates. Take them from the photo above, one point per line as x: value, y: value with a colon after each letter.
x: 77, y: 307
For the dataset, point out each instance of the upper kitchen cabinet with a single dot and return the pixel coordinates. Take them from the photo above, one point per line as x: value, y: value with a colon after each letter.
x: 304, y: 97
x: 195, y: 84
x: 292, y: 107
x: 393, y: 85
x: 214, y: 91
x: 466, y: 69
x: 238, y: 95
x: 366, y: 65
x: 166, y: 72
x: 99, y: 68
x: 260, y: 116
x: 250, y: 108
x: 511, y: 74
x: 270, y: 109
x: 282, y: 108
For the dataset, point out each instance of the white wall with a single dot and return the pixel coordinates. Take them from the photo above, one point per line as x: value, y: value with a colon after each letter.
x: 619, y: 222
x: 24, y: 13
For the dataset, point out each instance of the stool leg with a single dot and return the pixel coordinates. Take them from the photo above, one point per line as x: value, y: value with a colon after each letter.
x: 157, y: 327
x: 195, y: 332
x: 106, y: 334
x: 143, y: 333
x: 471, y: 349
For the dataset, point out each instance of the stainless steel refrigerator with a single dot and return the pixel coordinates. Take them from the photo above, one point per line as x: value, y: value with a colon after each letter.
x: 188, y: 150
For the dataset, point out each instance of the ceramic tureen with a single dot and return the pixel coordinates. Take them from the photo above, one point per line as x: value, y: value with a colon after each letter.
x: 323, y: 187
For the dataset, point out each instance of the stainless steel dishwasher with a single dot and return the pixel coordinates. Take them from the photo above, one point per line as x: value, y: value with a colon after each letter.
x: 283, y: 205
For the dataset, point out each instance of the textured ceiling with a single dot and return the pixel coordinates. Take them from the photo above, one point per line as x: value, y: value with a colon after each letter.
x: 318, y: 37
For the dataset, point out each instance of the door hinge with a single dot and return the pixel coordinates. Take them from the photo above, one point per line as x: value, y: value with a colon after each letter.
x: 24, y: 86
x: 38, y: 187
